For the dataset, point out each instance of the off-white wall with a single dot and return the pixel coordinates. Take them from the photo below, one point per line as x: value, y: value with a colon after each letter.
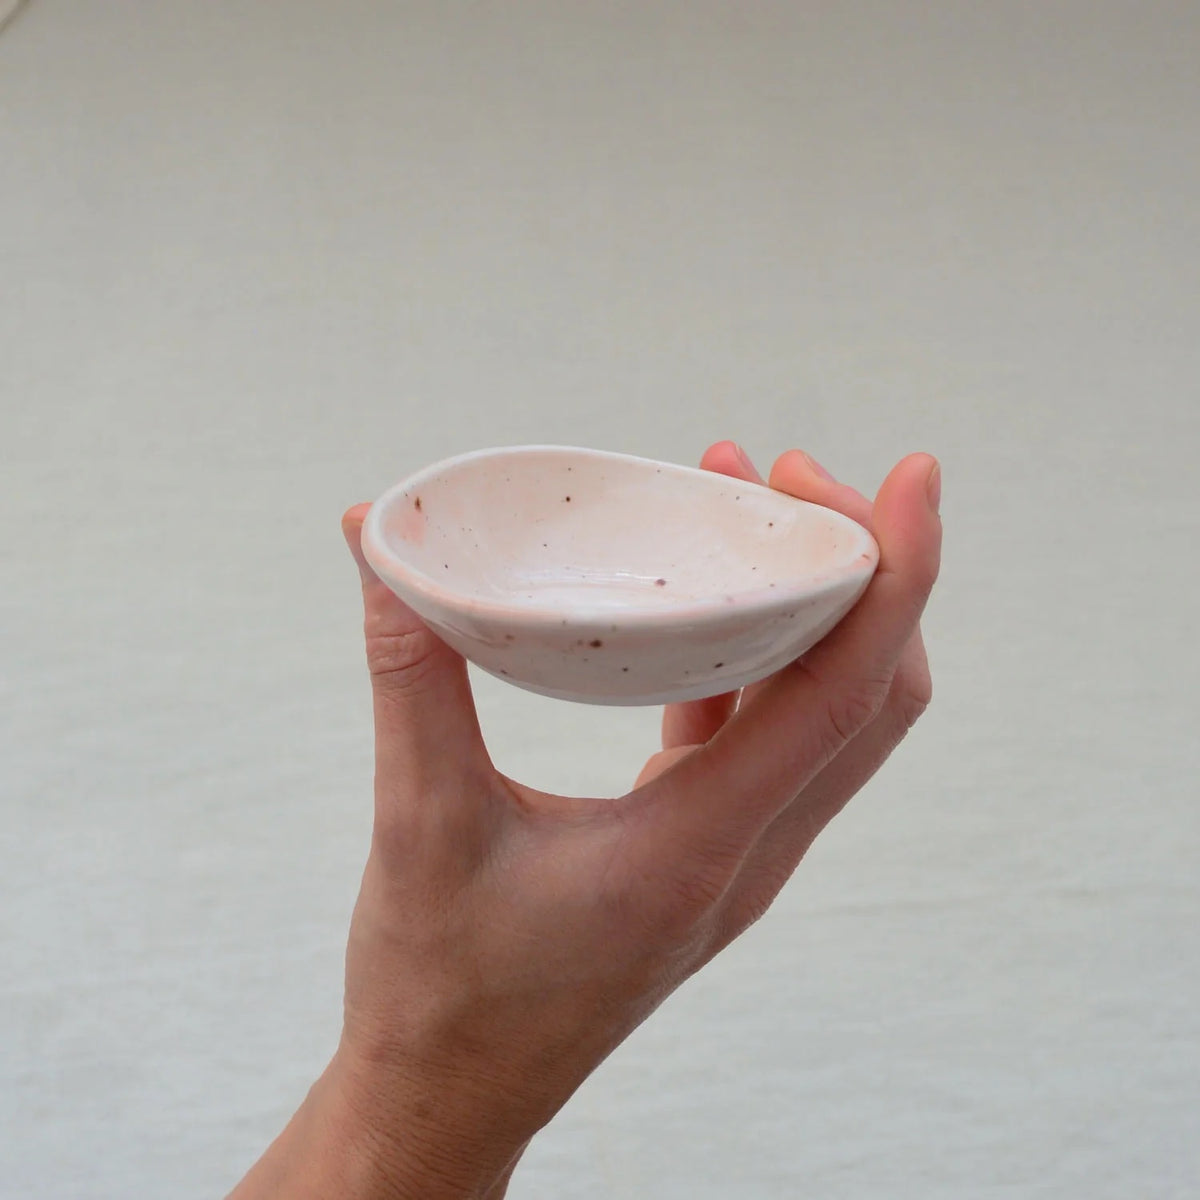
x: 259, y: 260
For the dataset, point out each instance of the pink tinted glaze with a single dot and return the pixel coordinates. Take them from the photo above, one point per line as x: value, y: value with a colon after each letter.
x: 651, y: 582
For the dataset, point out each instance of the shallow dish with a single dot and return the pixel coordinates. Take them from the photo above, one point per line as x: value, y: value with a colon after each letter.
x: 608, y: 579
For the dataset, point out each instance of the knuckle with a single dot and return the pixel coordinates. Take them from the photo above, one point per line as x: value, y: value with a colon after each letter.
x: 914, y: 694
x: 849, y: 711
x: 398, y: 660
x: 697, y: 885
x: 697, y: 890
x: 912, y: 709
x: 752, y: 908
x: 925, y: 575
x: 677, y: 909
x: 756, y: 903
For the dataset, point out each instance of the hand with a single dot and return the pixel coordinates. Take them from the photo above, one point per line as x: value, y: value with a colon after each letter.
x: 505, y: 940
x: 686, y: 727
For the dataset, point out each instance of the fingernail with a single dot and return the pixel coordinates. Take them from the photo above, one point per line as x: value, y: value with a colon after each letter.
x: 820, y: 470
x: 933, y: 487
x: 747, y: 465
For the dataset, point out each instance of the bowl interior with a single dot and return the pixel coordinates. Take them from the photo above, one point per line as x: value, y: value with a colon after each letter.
x: 551, y: 527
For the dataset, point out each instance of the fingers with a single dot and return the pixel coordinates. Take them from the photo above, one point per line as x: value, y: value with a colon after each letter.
x: 800, y: 475
x: 725, y: 794
x: 427, y: 734
x: 658, y: 763
x: 786, y: 840
x: 694, y: 722
x: 777, y: 853
x: 728, y: 458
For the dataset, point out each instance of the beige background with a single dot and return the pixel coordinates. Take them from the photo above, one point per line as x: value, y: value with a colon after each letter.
x: 259, y: 260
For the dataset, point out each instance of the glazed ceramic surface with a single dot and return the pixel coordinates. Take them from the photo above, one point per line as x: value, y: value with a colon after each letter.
x: 609, y: 579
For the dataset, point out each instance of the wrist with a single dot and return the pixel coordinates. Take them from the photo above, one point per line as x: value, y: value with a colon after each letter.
x: 347, y: 1142
x: 441, y: 1137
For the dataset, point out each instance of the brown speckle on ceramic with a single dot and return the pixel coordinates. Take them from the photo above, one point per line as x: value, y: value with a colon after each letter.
x: 652, y: 563
x: 409, y: 523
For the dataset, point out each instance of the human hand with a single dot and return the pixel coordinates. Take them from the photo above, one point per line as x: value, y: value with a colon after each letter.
x: 506, y: 940
x: 686, y: 727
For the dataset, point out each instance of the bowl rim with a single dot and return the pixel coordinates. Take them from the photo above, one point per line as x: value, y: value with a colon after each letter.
x: 706, y: 611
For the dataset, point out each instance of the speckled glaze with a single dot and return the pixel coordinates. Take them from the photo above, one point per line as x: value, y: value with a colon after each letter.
x: 608, y: 579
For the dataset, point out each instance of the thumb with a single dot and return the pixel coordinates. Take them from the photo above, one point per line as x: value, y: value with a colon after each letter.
x: 427, y: 734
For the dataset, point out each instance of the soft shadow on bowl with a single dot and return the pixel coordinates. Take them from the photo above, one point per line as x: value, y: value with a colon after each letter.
x: 608, y: 579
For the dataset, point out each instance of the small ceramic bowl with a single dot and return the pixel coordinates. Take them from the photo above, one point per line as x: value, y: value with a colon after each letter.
x: 609, y: 579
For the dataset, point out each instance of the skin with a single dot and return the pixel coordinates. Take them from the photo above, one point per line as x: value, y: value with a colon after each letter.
x: 506, y: 940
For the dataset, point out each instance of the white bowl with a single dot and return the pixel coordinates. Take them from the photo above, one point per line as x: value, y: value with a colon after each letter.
x: 609, y: 579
